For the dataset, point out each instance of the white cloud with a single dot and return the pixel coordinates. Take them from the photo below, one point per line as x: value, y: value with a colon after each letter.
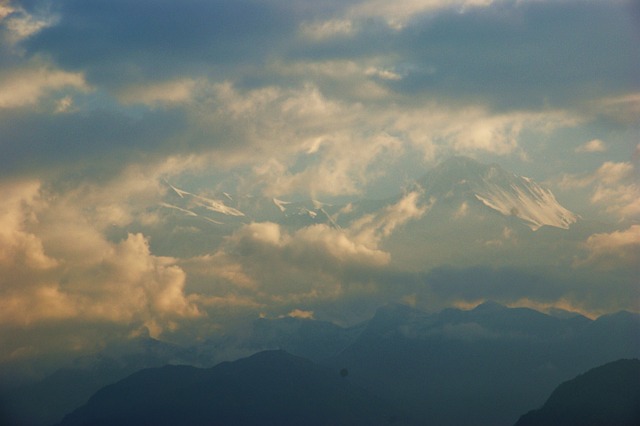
x: 264, y: 264
x: 594, y: 145
x: 299, y: 313
x: 616, y: 189
x: 385, y: 74
x: 168, y: 92
x: 27, y: 86
x: 624, y: 109
x: 335, y: 245
x: 56, y: 264
x: 612, y: 250
x: 462, y: 211
x: 499, y: 134
x: 612, y: 173
x: 20, y: 24
x: 623, y: 200
x: 323, y: 30
x: 327, y: 142
x: 613, y: 188
x: 399, y: 12
x: 20, y: 203
x: 371, y: 229
x: 305, y: 141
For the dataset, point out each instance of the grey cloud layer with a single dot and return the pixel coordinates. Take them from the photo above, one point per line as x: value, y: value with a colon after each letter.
x: 528, y: 54
x: 35, y: 142
x: 123, y: 41
x: 515, y: 54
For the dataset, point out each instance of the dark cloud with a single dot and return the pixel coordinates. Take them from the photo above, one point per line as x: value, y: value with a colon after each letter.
x: 512, y: 54
x: 523, y: 54
x: 116, y: 41
x: 483, y: 282
x: 99, y: 140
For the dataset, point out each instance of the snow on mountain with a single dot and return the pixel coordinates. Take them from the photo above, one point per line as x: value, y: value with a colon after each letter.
x: 498, y: 189
x: 463, y: 184
x: 282, y: 205
x: 217, y: 206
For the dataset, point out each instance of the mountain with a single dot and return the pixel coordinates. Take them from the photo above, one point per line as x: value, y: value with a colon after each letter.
x: 308, y: 338
x: 606, y: 395
x: 271, y: 387
x: 46, y: 401
x: 484, y: 366
x: 464, y: 180
x: 467, y: 206
x: 455, y: 181
x: 227, y: 209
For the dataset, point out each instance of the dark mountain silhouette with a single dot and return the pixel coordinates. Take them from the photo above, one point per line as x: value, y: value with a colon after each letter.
x: 606, y: 395
x: 46, y: 401
x: 485, y: 366
x: 269, y: 388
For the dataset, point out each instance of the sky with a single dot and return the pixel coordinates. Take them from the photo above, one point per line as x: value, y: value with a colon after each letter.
x: 103, y: 103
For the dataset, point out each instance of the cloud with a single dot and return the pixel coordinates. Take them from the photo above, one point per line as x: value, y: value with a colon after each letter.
x: 327, y: 29
x: 616, y: 189
x: 613, y: 188
x: 485, y: 283
x: 27, y: 86
x: 373, y: 228
x: 611, y: 173
x: 299, y: 313
x: 534, y: 49
x: 317, y: 245
x: 263, y: 264
x: 505, y: 53
x: 615, y: 249
x: 304, y: 141
x: 587, y: 288
x: 119, y: 42
x: 594, y: 145
x: 89, y: 143
x: 169, y: 92
x: 17, y: 245
x: 19, y: 24
x: 622, y: 109
x: 397, y: 15
x: 57, y: 264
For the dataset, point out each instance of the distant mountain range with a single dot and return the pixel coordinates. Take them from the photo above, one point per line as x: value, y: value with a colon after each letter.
x: 485, y: 366
x: 460, y: 183
x: 494, y: 361
x: 465, y: 206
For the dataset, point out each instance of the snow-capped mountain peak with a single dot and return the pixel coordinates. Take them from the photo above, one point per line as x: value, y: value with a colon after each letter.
x: 498, y: 189
x: 198, y: 201
x: 281, y: 204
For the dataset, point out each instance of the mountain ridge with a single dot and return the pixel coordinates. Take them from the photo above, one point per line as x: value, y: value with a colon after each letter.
x: 493, y: 187
x: 605, y: 395
x: 270, y: 387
